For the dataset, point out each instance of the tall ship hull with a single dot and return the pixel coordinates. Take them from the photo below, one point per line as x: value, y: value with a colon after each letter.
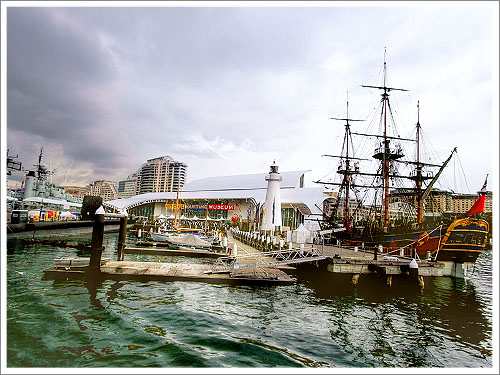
x: 462, y: 241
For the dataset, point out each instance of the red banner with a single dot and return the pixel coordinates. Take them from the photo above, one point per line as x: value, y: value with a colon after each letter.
x: 478, y: 206
x: 224, y: 207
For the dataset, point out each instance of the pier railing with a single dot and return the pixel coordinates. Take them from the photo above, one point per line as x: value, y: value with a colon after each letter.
x: 268, y: 259
x: 266, y: 243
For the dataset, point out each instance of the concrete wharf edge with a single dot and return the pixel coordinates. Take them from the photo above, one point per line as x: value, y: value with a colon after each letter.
x: 364, y: 266
x: 154, y: 271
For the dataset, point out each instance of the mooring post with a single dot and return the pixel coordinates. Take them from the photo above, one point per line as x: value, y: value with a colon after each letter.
x: 122, y: 237
x: 414, y: 273
x: 97, y: 237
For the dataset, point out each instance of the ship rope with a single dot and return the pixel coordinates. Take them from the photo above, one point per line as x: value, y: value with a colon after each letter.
x: 439, y: 246
x: 420, y: 239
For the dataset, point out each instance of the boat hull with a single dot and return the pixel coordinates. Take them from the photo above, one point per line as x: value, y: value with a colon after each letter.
x: 461, y: 242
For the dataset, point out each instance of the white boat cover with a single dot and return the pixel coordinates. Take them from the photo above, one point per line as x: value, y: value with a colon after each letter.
x: 188, y: 239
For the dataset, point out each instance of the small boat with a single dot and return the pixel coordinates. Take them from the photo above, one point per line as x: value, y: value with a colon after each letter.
x: 189, y: 240
x: 160, y: 237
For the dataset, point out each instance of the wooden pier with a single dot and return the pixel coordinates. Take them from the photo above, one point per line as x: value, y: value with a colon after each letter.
x: 246, y: 264
x: 97, y: 268
x: 154, y: 271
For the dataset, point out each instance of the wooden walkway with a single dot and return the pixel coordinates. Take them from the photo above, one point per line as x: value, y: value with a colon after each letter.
x: 154, y: 271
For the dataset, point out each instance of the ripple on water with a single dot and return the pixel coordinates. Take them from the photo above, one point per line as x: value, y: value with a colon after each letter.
x: 181, y: 324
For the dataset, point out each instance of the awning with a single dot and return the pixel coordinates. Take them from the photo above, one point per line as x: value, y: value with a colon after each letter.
x: 303, y: 208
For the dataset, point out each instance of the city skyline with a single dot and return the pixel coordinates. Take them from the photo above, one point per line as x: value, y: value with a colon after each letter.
x: 104, y: 89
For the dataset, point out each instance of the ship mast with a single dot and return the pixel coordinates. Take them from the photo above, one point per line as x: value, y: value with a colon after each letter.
x: 419, y: 170
x: 346, y: 183
x: 384, y: 153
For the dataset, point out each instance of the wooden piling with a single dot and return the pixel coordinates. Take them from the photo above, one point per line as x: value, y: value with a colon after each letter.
x: 122, y: 237
x: 421, y: 281
x: 355, y: 279
x: 97, y: 238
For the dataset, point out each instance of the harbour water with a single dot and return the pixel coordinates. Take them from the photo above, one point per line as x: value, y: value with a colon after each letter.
x: 321, y: 321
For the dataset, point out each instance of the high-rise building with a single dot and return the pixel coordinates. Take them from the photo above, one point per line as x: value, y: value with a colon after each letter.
x: 101, y: 188
x: 161, y: 174
x: 462, y: 202
x: 128, y: 188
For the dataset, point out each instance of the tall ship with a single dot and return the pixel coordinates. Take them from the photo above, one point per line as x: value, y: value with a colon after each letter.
x: 383, y: 206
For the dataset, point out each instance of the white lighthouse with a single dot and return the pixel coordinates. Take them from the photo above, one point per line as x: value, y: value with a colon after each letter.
x: 272, y: 207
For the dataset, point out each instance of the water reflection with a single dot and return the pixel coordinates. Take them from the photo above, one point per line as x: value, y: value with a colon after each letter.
x: 322, y: 320
x: 446, y: 306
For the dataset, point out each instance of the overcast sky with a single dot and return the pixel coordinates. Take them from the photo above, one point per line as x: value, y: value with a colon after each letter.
x: 227, y: 90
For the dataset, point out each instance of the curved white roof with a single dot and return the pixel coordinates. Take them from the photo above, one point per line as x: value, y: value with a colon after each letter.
x: 252, y: 187
x: 305, y: 199
x: 243, y: 182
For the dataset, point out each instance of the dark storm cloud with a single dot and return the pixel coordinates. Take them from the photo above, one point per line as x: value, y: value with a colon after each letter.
x: 42, y: 42
x: 56, y: 72
x: 193, y: 43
